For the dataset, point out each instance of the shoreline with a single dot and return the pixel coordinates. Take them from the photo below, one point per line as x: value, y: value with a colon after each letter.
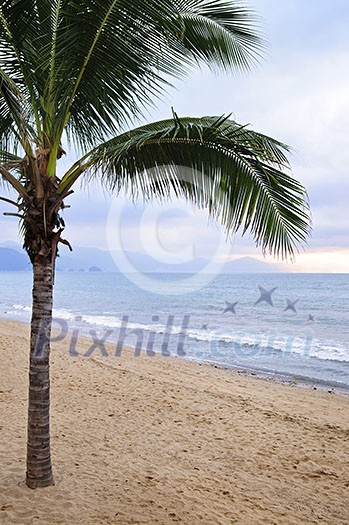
x: 268, y: 375
x: 283, y: 378
x: 162, y: 441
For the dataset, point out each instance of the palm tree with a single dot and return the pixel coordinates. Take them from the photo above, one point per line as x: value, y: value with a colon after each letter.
x: 82, y: 71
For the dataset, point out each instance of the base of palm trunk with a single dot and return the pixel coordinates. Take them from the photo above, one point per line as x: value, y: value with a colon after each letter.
x: 34, y: 483
x: 39, y: 468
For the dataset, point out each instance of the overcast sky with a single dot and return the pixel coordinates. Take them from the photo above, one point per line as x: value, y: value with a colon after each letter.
x: 300, y: 95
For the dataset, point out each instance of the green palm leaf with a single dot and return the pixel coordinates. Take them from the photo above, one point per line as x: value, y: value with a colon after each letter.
x: 238, y: 174
x: 90, y: 67
x: 14, y: 129
x: 223, y: 34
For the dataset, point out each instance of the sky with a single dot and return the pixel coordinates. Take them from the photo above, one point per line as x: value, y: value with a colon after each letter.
x: 298, y: 94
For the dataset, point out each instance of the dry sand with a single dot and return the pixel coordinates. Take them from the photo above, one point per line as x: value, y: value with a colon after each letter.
x: 162, y: 440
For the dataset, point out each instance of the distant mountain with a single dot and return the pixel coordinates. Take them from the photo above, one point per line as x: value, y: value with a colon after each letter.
x: 94, y: 269
x: 144, y: 263
x: 90, y: 259
x: 133, y: 262
x: 13, y: 260
x: 251, y: 265
x: 84, y: 258
x: 81, y: 259
x: 11, y: 244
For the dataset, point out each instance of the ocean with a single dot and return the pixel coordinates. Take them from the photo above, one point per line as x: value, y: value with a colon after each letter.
x: 183, y: 315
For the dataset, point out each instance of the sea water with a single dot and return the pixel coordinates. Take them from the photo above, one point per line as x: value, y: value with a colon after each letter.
x: 183, y: 315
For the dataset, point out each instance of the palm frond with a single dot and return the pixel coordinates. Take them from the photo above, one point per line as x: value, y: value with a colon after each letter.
x: 13, y: 128
x: 239, y: 175
x: 91, y: 66
x: 9, y: 180
x: 22, y: 51
x: 221, y: 33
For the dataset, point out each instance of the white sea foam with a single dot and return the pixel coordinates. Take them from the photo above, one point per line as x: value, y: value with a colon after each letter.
x: 237, y: 340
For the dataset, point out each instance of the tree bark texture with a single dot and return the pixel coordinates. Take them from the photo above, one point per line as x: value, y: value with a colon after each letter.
x: 39, y: 468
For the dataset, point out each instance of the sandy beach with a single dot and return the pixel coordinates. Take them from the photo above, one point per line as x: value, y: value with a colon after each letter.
x: 162, y: 440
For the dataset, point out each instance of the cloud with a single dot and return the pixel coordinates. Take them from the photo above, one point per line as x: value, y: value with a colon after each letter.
x: 299, y: 94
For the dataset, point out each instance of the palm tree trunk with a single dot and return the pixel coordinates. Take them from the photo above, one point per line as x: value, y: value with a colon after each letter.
x: 39, y: 469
